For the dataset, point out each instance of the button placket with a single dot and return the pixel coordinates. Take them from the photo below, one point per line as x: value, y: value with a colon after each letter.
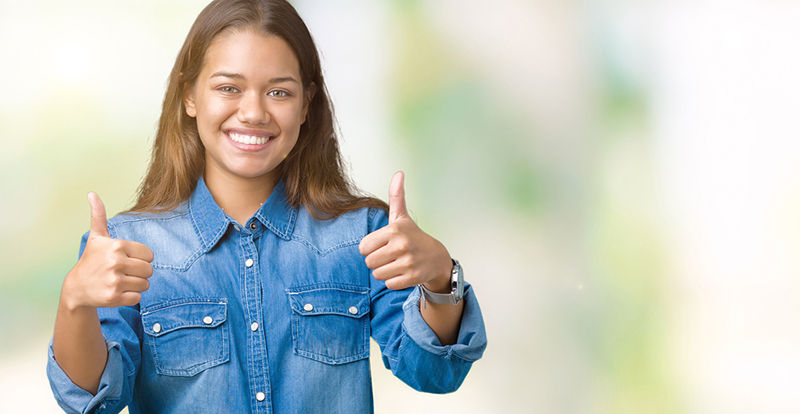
x: 258, y: 370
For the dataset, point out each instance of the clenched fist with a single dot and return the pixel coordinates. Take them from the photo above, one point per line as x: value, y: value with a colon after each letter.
x: 401, y: 253
x: 110, y: 272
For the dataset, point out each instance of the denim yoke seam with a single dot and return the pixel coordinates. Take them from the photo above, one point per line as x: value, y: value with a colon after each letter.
x: 307, y: 243
x: 188, y: 262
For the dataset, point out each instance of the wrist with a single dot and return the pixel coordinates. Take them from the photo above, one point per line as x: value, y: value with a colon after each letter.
x: 441, y: 284
x: 455, y: 290
x: 70, y: 299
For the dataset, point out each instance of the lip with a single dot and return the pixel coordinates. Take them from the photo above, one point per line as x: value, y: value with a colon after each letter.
x: 252, y: 133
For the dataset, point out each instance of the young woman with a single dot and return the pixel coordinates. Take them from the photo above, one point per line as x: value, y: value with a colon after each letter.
x: 250, y: 275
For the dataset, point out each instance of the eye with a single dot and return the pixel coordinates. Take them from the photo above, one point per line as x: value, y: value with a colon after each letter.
x: 228, y: 89
x: 278, y: 93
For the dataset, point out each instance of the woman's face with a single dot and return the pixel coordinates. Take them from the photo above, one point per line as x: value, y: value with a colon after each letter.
x: 249, y: 104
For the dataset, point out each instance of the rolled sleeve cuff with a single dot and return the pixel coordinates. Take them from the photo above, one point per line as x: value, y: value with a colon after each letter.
x: 74, y: 399
x: 471, y: 334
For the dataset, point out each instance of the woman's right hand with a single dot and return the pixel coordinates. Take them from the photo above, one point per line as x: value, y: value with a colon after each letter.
x: 111, y: 272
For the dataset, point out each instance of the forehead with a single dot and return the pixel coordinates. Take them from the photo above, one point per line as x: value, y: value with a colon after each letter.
x: 248, y: 51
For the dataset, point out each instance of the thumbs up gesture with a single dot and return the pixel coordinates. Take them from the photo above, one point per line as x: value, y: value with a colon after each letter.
x: 110, y: 272
x: 401, y: 253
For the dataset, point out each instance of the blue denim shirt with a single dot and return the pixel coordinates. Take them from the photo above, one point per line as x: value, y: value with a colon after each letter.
x: 271, y: 316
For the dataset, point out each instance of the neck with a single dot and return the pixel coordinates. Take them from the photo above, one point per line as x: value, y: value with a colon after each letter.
x: 239, y: 197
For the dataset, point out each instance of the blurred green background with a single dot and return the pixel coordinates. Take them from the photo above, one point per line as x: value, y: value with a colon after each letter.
x: 619, y: 179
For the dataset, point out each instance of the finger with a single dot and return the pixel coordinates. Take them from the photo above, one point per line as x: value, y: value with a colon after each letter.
x: 99, y: 226
x: 134, y: 284
x: 374, y: 241
x: 129, y: 298
x: 137, y: 268
x: 136, y: 250
x: 389, y: 271
x: 397, y: 198
x: 400, y: 282
x: 382, y: 257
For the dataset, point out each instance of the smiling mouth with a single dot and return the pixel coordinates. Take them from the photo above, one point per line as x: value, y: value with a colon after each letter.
x: 248, y: 139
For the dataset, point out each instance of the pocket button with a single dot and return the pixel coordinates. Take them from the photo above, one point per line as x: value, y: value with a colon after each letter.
x: 353, y: 310
x: 207, y: 320
x: 308, y: 307
x: 157, y: 328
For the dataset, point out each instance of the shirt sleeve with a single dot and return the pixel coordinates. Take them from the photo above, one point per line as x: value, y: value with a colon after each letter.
x: 122, y: 331
x: 410, y: 348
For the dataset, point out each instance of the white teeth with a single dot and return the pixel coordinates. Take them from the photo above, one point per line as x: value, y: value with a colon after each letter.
x: 247, y: 139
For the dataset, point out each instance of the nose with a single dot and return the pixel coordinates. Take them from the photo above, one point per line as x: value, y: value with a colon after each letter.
x: 253, y: 109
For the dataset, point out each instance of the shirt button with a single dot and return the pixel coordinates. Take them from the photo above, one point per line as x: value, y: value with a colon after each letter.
x: 207, y: 320
x: 157, y: 327
x: 248, y: 263
x: 254, y: 326
x: 309, y: 307
x: 236, y: 226
x: 260, y: 396
x: 253, y: 226
x: 353, y: 310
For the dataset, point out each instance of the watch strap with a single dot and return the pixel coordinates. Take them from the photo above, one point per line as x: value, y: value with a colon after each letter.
x: 457, y: 286
x: 440, y: 298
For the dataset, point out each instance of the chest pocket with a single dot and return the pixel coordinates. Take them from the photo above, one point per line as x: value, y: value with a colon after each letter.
x: 330, y: 323
x: 187, y: 336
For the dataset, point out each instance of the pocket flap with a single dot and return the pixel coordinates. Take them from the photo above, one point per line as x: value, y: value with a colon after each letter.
x: 351, y: 301
x: 184, y: 315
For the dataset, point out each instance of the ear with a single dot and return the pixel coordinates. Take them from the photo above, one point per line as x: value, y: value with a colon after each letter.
x: 188, y: 101
x: 312, y: 89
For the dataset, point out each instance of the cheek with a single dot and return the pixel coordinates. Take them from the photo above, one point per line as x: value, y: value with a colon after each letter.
x: 213, y: 110
x: 292, y: 116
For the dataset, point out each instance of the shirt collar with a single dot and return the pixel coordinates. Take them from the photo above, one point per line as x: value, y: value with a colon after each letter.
x: 210, y: 222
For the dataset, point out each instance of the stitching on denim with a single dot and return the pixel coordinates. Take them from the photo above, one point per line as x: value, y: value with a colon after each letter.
x: 184, y: 301
x: 326, y: 286
x: 195, y: 226
x: 185, y: 266
x: 193, y: 370
x: 132, y: 219
x: 282, y: 233
x: 207, y: 244
x: 302, y: 240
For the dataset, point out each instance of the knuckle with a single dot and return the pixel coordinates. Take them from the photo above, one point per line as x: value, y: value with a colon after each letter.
x: 117, y: 245
x: 110, y: 298
x: 402, y: 244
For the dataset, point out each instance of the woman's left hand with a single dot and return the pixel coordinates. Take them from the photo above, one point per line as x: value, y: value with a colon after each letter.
x: 401, y: 253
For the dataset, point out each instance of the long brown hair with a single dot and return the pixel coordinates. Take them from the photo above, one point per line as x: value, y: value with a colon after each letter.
x: 313, y: 171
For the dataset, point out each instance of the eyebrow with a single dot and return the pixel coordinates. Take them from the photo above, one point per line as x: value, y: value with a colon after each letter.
x: 239, y: 76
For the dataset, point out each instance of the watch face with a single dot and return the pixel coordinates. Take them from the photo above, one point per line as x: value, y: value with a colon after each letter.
x: 460, y: 280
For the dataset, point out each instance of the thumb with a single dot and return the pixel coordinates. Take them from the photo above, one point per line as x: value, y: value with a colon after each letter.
x: 397, y: 198
x: 99, y: 222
